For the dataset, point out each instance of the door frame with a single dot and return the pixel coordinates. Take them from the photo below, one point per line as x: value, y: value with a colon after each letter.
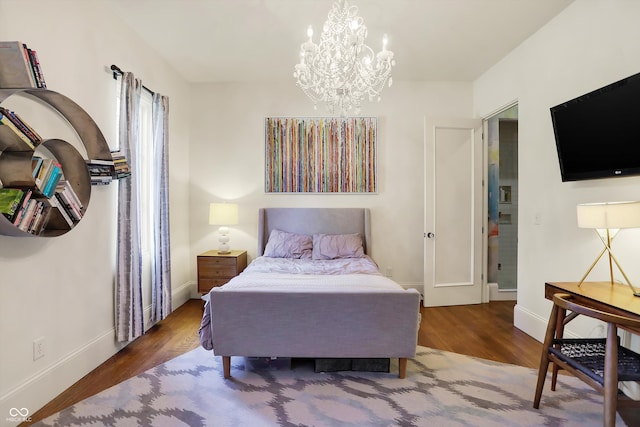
x: 497, y: 295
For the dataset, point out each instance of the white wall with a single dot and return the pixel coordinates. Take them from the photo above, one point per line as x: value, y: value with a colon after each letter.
x: 62, y: 288
x: 590, y: 44
x: 227, y: 163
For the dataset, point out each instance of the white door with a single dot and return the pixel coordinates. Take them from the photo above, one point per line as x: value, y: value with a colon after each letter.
x: 453, y: 212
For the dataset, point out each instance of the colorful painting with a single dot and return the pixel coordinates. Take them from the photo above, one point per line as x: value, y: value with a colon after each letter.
x: 320, y: 155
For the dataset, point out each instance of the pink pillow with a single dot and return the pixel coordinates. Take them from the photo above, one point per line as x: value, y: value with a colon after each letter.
x: 332, y: 246
x: 282, y: 244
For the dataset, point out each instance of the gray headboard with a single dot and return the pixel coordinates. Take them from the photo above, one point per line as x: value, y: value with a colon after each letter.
x: 314, y: 220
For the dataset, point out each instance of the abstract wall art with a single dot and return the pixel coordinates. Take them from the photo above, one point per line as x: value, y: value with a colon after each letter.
x: 320, y: 155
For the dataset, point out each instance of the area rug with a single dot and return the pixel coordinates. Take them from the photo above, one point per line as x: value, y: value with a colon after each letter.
x: 441, y: 389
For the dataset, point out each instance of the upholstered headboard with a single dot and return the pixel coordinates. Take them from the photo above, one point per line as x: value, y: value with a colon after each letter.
x: 314, y: 220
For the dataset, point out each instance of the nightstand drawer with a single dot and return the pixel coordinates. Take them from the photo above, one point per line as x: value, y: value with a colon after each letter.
x: 212, y: 283
x: 218, y: 261
x: 213, y: 268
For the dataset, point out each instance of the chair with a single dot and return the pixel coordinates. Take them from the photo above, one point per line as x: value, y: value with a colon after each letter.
x: 601, y: 363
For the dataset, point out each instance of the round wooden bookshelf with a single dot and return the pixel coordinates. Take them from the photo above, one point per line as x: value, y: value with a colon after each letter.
x: 16, y: 157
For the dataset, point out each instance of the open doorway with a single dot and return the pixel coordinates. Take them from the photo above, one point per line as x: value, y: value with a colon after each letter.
x: 502, y: 204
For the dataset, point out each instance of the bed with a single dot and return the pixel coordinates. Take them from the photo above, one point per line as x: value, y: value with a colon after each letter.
x: 324, y: 299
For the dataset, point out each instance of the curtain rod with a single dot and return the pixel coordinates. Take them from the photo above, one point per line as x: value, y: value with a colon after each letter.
x: 116, y: 70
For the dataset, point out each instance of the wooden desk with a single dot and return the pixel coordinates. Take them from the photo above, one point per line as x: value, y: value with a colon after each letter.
x: 617, y: 298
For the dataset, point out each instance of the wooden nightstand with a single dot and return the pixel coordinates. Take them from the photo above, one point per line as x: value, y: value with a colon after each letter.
x: 215, y: 269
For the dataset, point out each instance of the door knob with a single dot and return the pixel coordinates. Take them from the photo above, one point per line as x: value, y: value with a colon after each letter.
x: 430, y: 235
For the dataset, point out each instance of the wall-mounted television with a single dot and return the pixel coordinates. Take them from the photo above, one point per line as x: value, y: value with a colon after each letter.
x: 598, y: 134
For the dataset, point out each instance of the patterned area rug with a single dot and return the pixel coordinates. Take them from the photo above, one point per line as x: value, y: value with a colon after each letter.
x: 441, y: 389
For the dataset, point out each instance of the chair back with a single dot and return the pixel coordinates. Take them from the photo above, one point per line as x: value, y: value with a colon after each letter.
x: 566, y: 301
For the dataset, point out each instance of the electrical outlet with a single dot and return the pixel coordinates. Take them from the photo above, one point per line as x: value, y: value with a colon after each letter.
x: 38, y: 348
x: 389, y: 272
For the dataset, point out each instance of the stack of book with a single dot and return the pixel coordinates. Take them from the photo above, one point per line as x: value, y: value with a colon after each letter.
x: 122, y: 168
x: 67, y: 202
x: 25, y: 132
x: 101, y: 171
x: 21, y: 68
x: 34, y: 216
x: 46, y: 173
x: 28, y: 214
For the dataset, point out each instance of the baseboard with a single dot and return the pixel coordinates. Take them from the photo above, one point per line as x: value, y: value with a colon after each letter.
x: 43, y: 386
x: 417, y: 286
x: 529, y: 322
x: 183, y: 294
x: 533, y: 324
x: 497, y: 294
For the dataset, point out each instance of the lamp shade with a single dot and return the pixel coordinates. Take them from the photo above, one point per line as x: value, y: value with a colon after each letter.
x: 223, y: 213
x: 611, y: 215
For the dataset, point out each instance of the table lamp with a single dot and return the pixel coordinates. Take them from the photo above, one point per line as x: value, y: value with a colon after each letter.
x: 223, y: 214
x: 607, y: 219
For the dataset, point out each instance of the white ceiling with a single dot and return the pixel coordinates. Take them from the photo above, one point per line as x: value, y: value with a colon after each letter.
x: 259, y: 40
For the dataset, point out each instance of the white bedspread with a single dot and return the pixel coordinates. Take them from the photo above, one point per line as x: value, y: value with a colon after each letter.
x: 299, y: 275
x: 363, y: 265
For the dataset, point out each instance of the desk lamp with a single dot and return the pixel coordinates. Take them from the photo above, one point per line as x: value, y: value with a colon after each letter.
x: 607, y: 219
x: 223, y: 214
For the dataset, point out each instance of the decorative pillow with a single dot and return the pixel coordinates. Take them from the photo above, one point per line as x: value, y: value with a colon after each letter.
x: 332, y: 246
x: 282, y: 244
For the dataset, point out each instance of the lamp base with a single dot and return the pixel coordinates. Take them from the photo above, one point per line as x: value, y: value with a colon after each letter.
x: 224, y: 248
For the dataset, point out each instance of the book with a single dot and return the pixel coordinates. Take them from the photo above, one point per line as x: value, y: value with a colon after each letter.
x: 101, y: 180
x: 23, y: 205
x: 69, y: 191
x: 16, y: 67
x: 52, y: 181
x: 10, y: 201
x: 54, y: 202
x: 38, y: 69
x: 22, y: 125
x: 41, y: 219
x: 36, y: 163
x: 27, y: 54
x: 27, y: 217
x: 43, y: 173
x: 5, y: 121
x: 100, y: 162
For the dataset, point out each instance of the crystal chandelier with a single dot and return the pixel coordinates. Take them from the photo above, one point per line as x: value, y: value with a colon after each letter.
x: 341, y: 70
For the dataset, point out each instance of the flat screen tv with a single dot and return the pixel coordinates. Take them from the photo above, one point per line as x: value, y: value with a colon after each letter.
x: 598, y: 134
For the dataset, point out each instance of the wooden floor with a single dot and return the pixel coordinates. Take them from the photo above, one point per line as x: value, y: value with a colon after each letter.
x: 484, y: 330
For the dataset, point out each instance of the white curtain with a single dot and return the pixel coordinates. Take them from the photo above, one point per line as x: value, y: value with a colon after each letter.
x: 128, y: 293
x: 160, y: 258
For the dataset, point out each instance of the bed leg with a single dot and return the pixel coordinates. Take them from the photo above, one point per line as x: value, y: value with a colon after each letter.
x: 226, y: 366
x: 402, y: 367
